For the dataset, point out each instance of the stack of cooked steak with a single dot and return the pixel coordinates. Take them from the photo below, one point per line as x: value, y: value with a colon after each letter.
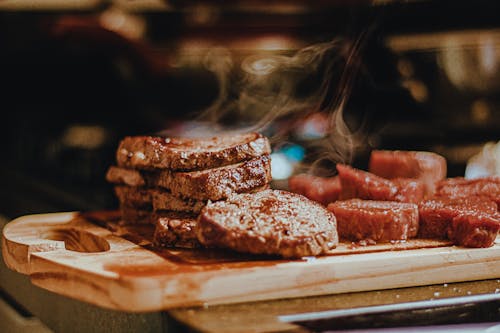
x: 404, y: 194
x: 167, y: 181
x: 214, y: 192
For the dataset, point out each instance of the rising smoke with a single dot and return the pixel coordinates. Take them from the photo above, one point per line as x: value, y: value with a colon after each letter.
x: 264, y: 88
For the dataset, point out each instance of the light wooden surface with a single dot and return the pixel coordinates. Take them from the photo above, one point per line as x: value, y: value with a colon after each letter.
x: 69, y: 255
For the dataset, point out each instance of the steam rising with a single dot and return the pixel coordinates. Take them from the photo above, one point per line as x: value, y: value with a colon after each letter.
x: 269, y: 87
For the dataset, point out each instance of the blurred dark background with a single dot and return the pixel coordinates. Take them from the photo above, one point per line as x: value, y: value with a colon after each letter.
x: 77, y: 76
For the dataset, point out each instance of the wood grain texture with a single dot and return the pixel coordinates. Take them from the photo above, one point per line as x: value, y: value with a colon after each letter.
x: 115, y: 266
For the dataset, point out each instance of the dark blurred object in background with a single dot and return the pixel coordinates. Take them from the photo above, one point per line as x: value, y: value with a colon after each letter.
x: 77, y: 76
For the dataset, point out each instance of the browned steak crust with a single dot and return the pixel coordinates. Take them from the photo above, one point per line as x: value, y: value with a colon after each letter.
x: 218, y: 183
x: 268, y: 222
x: 210, y: 184
x: 174, y: 229
x: 149, y: 152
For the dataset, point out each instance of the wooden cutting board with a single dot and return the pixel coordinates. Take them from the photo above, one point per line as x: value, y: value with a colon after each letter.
x: 93, y: 258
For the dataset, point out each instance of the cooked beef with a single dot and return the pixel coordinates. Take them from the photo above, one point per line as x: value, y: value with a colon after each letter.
x: 474, y: 229
x: 360, y: 184
x: 134, y: 197
x: 148, y: 152
x: 425, y: 166
x: 156, y: 199
x: 218, y: 183
x: 174, y: 229
x: 209, y: 184
x: 268, y: 222
x: 437, y: 214
x: 132, y: 215
x: 131, y: 177
x: 378, y: 221
x: 164, y: 200
x: 321, y: 189
x: 487, y: 187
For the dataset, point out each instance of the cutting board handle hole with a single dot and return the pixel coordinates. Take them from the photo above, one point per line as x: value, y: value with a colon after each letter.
x: 78, y: 240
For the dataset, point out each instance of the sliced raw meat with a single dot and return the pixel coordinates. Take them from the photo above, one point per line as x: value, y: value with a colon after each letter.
x: 437, y: 214
x: 488, y: 187
x: 427, y: 166
x: 379, y: 221
x: 320, y: 189
x: 474, y: 229
x: 360, y: 184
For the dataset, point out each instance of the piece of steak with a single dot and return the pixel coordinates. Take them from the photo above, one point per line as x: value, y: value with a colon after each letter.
x: 218, y: 183
x: 174, y: 229
x: 426, y: 166
x: 360, y: 184
x: 270, y: 222
x: 321, y: 189
x: 132, y: 215
x: 437, y: 214
x: 164, y: 200
x: 135, y: 197
x: 131, y: 177
x: 474, y: 229
x: 209, y: 184
x: 378, y: 221
x: 150, y: 152
x: 155, y: 199
x: 487, y: 187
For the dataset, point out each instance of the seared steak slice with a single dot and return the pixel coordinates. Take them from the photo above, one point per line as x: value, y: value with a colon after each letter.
x: 134, y: 197
x: 321, y: 189
x: 164, y: 200
x: 174, y: 229
x: 426, y: 166
x: 218, y: 183
x: 360, y: 184
x: 132, y: 215
x: 379, y: 221
x: 149, y: 152
x: 268, y: 222
x: 209, y: 184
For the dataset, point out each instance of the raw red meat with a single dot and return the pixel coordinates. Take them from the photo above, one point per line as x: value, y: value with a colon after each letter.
x: 360, y: 184
x: 375, y: 220
x: 474, y: 229
x: 321, y: 189
x: 437, y: 214
x: 425, y: 166
x: 487, y: 187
